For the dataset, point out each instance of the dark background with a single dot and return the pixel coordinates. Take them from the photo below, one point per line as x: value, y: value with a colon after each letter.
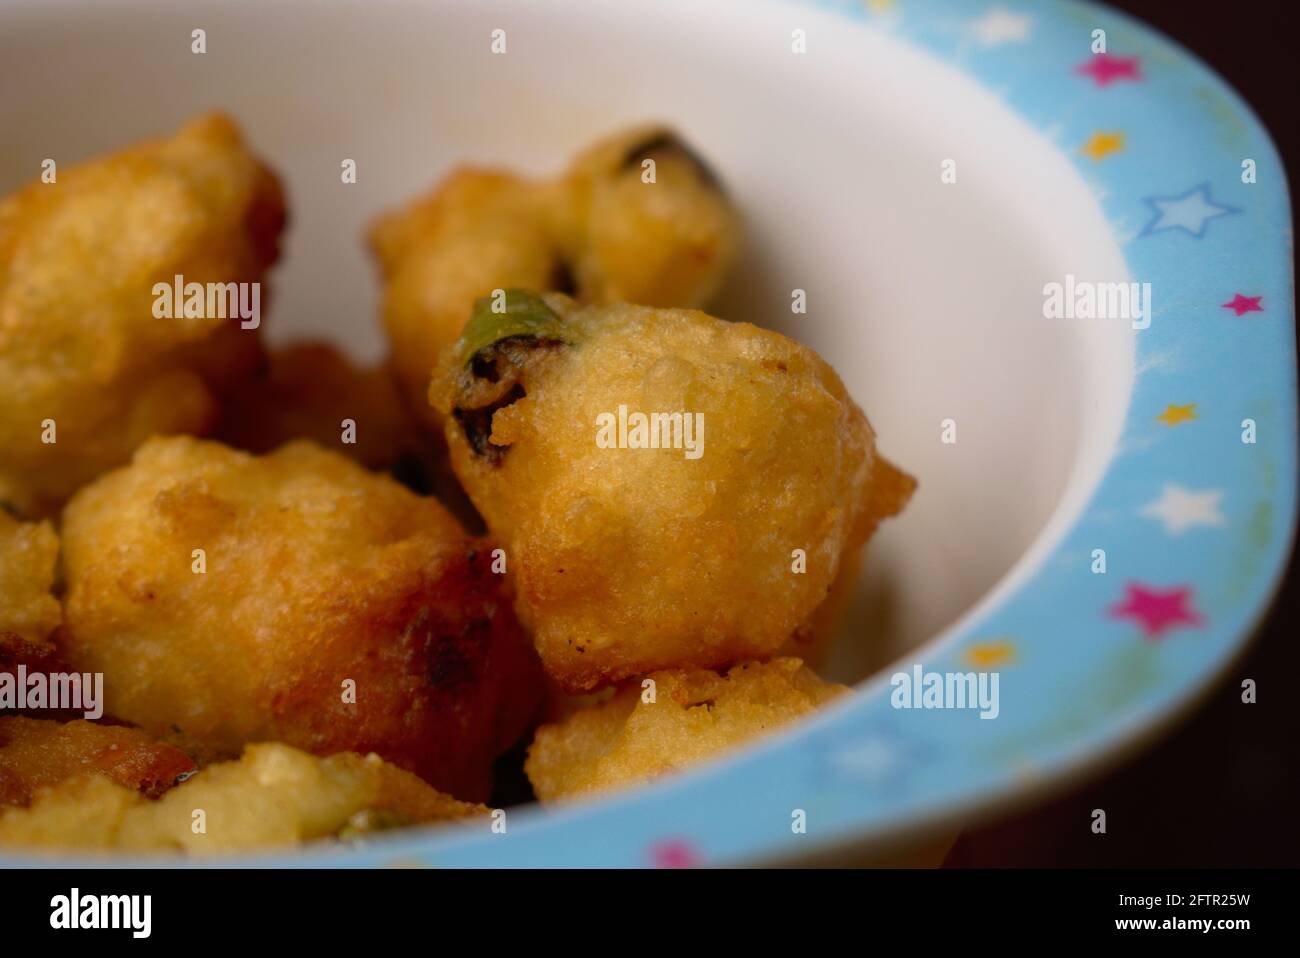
x: 1224, y: 788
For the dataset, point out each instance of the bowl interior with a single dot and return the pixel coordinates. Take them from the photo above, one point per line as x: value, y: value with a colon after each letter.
x: 926, y: 296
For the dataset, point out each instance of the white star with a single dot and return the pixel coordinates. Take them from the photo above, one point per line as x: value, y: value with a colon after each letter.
x: 1180, y: 509
x: 872, y: 759
x: 1000, y: 26
x: 1189, y: 212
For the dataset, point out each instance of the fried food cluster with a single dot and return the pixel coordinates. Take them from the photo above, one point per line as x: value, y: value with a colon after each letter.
x: 637, y: 217
x: 294, y: 597
x: 29, y: 553
x: 274, y: 795
x: 667, y: 495
x: 37, y: 754
x: 311, y: 391
x: 87, y: 371
x: 706, y: 536
x: 672, y: 719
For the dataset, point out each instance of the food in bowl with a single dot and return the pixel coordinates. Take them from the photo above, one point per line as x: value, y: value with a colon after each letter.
x: 275, y: 795
x: 610, y: 229
x: 673, y: 490
x: 332, y: 609
x: 89, y: 368
x: 667, y: 721
x: 295, y: 645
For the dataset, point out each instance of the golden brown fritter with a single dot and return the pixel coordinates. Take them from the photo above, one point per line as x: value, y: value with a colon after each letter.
x: 337, y: 611
x: 83, y: 359
x: 311, y: 391
x: 36, y: 754
x: 21, y: 660
x: 684, y: 717
x: 275, y: 795
x: 715, y: 547
x: 668, y: 242
x: 29, y: 553
x: 29, y: 613
x: 33, y: 656
x: 598, y: 231
x: 476, y: 232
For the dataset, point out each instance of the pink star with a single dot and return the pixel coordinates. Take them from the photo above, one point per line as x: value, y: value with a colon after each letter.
x: 1244, y: 304
x: 674, y: 854
x: 1155, y: 610
x: 1106, y: 69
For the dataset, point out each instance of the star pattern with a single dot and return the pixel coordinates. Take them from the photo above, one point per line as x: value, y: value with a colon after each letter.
x: 985, y: 655
x: 878, y: 757
x: 1189, y: 212
x: 674, y: 853
x: 1105, y: 69
x: 999, y: 26
x: 1173, y: 415
x: 1102, y: 145
x: 1244, y: 304
x: 1181, y: 509
x: 1156, y: 611
x: 872, y: 758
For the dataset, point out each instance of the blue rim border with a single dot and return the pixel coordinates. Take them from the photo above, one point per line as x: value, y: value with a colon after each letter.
x: 1101, y: 679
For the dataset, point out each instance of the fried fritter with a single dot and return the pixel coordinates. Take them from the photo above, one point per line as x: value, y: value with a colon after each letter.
x: 29, y: 613
x: 36, y: 754
x: 716, y: 540
x: 478, y: 231
x: 33, y: 656
x: 311, y: 391
x: 29, y: 552
x: 599, y: 231
x: 668, y: 242
x: 87, y: 372
x: 275, y: 795
x: 330, y: 608
x: 32, y: 676
x: 685, y: 717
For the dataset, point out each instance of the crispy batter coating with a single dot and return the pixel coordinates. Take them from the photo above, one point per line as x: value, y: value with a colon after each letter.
x: 79, y: 344
x: 597, y: 230
x: 337, y: 611
x: 36, y: 754
x: 478, y: 231
x: 694, y: 716
x: 668, y: 242
x: 34, y: 656
x: 29, y: 613
x: 629, y: 559
x: 275, y: 795
x: 20, y: 660
x: 308, y: 391
x: 29, y: 552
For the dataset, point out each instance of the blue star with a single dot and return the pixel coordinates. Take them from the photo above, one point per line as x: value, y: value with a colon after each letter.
x: 873, y: 755
x: 1189, y: 212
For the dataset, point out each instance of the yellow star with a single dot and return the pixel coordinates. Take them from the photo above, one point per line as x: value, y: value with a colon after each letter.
x: 986, y: 654
x: 1173, y: 415
x: 880, y: 6
x: 1101, y: 145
